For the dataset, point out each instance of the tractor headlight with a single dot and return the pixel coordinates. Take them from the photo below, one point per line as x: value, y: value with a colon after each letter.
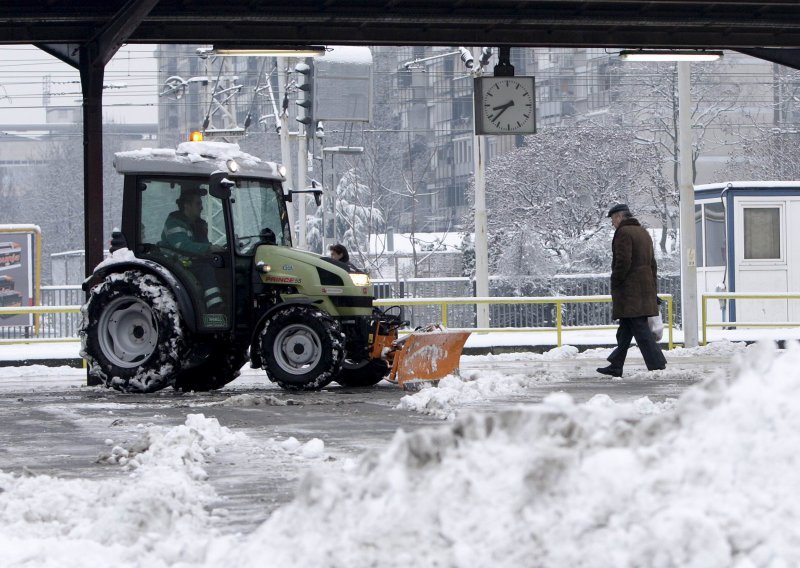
x: 360, y: 279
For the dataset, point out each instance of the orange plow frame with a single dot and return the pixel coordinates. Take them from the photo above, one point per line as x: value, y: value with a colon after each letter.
x: 427, y: 356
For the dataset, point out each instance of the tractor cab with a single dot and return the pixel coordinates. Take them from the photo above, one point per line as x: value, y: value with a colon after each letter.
x: 202, y: 222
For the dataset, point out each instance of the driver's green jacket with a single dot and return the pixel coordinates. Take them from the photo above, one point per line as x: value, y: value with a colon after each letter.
x: 180, y: 233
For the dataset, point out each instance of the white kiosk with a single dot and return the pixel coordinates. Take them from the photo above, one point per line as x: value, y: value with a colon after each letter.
x: 748, y: 240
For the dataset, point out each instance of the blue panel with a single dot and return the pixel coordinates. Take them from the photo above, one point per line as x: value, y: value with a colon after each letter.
x: 731, y: 268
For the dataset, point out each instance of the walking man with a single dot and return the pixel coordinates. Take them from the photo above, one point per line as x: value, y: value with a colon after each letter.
x: 633, y: 291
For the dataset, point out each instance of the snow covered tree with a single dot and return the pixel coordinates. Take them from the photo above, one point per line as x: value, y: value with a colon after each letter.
x: 356, y: 217
x: 549, y: 198
x: 646, y: 100
x: 770, y: 150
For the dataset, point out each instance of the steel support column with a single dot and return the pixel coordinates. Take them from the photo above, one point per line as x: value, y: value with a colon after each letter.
x: 92, y: 86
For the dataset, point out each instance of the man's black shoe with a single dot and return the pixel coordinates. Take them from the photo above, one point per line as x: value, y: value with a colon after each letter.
x: 610, y: 371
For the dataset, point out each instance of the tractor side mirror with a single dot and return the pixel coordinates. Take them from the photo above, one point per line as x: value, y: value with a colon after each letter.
x: 220, y: 186
x: 317, y: 192
x: 313, y: 190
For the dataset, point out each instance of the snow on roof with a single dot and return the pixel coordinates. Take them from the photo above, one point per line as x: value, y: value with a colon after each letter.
x: 748, y: 185
x: 192, y: 157
x: 19, y: 228
x: 348, y: 54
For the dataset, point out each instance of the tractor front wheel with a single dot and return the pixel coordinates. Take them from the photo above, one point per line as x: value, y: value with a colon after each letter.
x: 302, y: 348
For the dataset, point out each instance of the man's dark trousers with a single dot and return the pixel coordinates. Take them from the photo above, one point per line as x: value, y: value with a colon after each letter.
x: 638, y: 328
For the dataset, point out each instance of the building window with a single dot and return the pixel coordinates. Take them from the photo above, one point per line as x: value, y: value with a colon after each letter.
x: 762, y: 233
x: 714, y: 220
x: 698, y: 234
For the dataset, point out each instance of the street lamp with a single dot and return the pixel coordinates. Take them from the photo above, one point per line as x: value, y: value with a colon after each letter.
x: 268, y: 51
x: 333, y: 150
x: 669, y: 55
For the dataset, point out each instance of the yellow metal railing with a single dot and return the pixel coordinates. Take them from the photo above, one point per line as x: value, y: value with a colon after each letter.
x: 557, y: 301
x: 743, y: 296
x: 38, y: 310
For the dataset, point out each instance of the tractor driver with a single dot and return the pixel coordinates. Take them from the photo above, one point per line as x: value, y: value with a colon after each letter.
x: 184, y: 230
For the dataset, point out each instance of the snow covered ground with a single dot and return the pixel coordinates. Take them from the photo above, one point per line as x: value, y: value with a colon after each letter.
x: 708, y: 479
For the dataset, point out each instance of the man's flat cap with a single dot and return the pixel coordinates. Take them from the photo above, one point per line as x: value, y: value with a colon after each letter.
x: 618, y: 208
x: 193, y: 190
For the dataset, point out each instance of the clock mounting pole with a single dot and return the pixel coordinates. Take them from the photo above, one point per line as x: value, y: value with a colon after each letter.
x: 504, y: 67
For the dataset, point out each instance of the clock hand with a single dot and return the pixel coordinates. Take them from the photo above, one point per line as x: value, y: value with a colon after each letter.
x: 502, y: 109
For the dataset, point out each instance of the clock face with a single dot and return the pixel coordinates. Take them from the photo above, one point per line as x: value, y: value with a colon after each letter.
x: 505, y: 105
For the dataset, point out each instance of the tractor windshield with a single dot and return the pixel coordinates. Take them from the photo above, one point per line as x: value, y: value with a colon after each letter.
x: 259, y: 215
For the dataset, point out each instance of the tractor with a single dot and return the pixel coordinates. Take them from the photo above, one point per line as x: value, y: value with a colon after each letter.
x: 202, y: 278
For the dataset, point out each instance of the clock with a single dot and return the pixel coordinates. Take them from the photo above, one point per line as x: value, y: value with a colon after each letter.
x: 505, y: 105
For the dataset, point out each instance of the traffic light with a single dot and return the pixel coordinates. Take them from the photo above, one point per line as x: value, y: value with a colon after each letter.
x: 305, y: 92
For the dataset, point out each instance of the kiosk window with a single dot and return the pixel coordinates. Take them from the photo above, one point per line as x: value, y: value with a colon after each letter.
x: 715, y: 234
x: 762, y: 233
x: 698, y: 234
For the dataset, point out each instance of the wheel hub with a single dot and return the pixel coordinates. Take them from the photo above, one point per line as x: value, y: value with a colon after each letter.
x: 128, y: 332
x: 297, y: 348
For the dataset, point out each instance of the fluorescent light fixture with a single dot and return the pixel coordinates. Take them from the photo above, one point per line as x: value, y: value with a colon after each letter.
x: 343, y: 149
x: 669, y: 55
x: 270, y: 51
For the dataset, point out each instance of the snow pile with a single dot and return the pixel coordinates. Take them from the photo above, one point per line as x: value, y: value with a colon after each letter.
x: 313, y: 449
x: 722, y: 348
x: 248, y: 400
x: 152, y: 516
x: 472, y: 387
x: 37, y: 371
x: 118, y: 256
x: 711, y: 484
x: 554, y: 354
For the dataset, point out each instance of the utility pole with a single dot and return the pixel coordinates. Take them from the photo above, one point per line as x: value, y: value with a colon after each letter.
x: 481, y: 239
x: 687, y: 227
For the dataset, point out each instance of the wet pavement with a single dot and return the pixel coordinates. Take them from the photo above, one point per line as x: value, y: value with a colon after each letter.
x: 56, y: 426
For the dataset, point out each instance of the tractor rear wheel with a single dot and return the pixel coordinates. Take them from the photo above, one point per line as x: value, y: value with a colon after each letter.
x: 302, y: 348
x: 132, y: 335
x: 366, y: 375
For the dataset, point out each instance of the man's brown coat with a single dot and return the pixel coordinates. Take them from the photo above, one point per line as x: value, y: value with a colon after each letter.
x: 633, y: 271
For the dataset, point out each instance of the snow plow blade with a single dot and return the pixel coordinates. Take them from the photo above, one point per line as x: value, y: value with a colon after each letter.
x: 427, y: 356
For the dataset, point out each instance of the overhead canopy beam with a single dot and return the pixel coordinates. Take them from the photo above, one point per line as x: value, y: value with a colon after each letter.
x: 554, y: 23
x: 787, y: 57
x: 90, y: 58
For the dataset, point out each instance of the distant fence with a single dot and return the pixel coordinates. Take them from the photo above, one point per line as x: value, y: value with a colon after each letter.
x: 61, y: 325
x: 516, y: 315
x: 51, y: 325
x: 563, y: 305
